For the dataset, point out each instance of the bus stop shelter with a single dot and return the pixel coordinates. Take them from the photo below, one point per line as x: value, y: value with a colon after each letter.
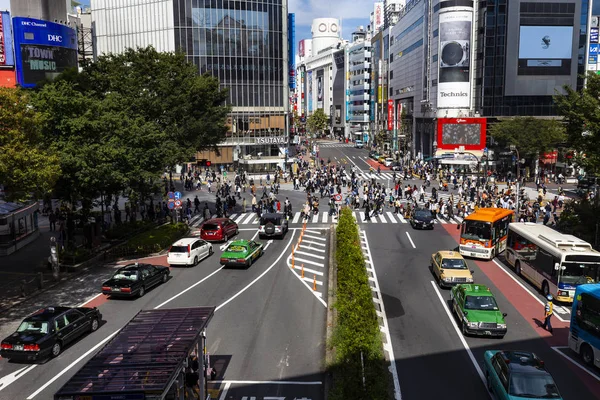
x: 149, y: 358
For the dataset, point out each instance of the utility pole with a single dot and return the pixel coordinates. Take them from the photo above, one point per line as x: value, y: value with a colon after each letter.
x: 517, y: 161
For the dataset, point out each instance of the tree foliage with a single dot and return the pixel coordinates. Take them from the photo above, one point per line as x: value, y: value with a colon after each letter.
x: 317, y: 121
x: 27, y: 168
x: 530, y: 135
x: 120, y: 121
x: 581, y: 113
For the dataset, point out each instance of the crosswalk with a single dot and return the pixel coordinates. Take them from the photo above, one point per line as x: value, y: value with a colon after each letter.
x: 336, y: 145
x: 323, y: 217
x: 310, y: 262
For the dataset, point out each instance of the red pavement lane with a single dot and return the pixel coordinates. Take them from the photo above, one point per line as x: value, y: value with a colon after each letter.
x: 376, y: 164
x: 530, y: 309
x: 158, y: 260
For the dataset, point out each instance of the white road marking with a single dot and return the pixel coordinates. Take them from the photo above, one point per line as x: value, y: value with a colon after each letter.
x: 239, y: 218
x: 503, y: 268
x: 310, y: 254
x: 311, y: 248
x: 316, y: 237
x: 298, y: 261
x: 312, y: 280
x: 325, y: 215
x: 391, y: 217
x: 315, y: 218
x: 382, y: 218
x: 225, y: 390
x: 89, y: 300
x: 385, y: 329
x: 576, y: 363
x: 460, y: 335
x: 224, y: 246
x: 268, y: 243
x: 249, y: 218
x: 411, y: 241
x: 255, y: 235
x: 10, y: 378
x: 303, y: 383
x: 296, y: 218
x: 258, y: 277
x: 315, y: 243
x: 189, y: 288
x: 312, y: 271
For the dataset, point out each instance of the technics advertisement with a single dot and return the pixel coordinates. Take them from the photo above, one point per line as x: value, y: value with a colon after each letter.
x: 454, y: 85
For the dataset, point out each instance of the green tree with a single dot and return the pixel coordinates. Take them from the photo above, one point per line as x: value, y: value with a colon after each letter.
x: 530, y: 135
x: 317, y: 121
x: 581, y: 113
x: 27, y: 168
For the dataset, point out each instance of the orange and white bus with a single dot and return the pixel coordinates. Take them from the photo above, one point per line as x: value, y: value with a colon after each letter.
x: 483, y: 233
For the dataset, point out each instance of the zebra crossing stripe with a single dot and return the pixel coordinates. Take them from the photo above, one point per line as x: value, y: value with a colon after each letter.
x: 296, y: 218
x: 315, y: 218
x: 441, y: 221
x: 248, y: 219
x: 391, y: 217
x: 362, y: 216
x: 382, y: 218
x: 325, y: 215
x: 239, y: 218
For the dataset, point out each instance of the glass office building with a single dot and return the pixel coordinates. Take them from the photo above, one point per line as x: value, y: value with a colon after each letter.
x: 241, y: 42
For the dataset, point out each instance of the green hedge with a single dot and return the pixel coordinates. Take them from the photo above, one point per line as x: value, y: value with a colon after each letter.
x: 151, y: 241
x: 357, y: 329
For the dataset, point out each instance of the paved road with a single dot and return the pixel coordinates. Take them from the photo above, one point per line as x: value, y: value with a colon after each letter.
x: 425, y: 344
x: 269, y: 326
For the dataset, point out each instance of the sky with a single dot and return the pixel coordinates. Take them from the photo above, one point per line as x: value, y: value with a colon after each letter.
x: 352, y: 14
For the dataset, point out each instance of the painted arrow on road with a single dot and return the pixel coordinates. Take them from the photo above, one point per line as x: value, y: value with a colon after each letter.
x: 10, y: 378
x: 268, y: 243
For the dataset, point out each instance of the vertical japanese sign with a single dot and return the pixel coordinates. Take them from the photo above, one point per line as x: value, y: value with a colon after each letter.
x: 310, y: 92
x: 390, y: 117
x: 399, y: 116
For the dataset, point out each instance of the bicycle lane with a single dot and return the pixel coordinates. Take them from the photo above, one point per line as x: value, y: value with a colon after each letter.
x: 530, y: 309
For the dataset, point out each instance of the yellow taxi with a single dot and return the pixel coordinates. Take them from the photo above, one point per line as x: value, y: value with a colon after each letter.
x: 450, y: 268
x: 382, y: 158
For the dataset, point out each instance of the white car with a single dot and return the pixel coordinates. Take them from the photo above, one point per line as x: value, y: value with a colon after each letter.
x: 189, y: 251
x: 388, y: 162
x: 359, y: 144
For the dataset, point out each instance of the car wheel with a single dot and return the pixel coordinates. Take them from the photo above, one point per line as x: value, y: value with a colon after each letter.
x: 488, y: 381
x: 210, y: 251
x: 225, y: 237
x: 56, y: 349
x: 464, y: 329
x: 95, y: 325
x: 545, y: 289
x: 587, y: 354
x: 518, y: 268
x: 142, y: 292
x: 249, y: 263
x: 165, y: 278
x: 237, y: 231
x: 195, y: 260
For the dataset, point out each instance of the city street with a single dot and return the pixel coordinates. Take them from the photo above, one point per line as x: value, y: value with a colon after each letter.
x: 268, y: 327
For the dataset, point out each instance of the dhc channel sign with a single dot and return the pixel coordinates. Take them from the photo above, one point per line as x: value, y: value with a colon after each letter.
x: 42, y: 50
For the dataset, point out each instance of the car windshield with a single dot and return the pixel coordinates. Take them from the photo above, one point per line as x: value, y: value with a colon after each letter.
x: 33, y: 326
x: 576, y: 273
x: 126, y: 274
x: 477, y: 230
x: 483, y: 303
x: 423, y: 214
x: 535, y: 386
x: 210, y: 227
x: 178, y: 249
x: 236, y: 248
x: 454, y: 263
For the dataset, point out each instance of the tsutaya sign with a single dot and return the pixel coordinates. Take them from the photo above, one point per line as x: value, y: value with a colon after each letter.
x: 271, y: 140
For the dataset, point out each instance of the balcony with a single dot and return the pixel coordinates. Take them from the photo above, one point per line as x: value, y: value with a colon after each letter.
x: 360, y: 86
x: 359, y: 107
x: 359, y: 118
x: 359, y: 55
x: 362, y: 65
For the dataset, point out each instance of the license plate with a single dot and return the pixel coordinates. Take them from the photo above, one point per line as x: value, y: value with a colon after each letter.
x: 489, y: 333
x: 18, y: 347
x: 473, y: 255
x: 116, y: 289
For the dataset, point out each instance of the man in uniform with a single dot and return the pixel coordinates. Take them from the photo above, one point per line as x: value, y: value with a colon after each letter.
x: 548, y: 311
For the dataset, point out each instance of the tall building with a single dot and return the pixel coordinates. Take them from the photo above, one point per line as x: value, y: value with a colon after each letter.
x: 243, y: 43
x: 456, y: 65
x: 47, y: 10
x: 360, y: 109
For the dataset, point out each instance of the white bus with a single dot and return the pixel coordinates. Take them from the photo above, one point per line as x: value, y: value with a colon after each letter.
x: 553, y: 262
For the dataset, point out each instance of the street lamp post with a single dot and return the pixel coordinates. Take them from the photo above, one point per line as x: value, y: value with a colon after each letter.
x: 514, y: 148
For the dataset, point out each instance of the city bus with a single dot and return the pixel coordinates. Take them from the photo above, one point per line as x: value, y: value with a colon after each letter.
x: 553, y: 262
x: 584, y: 336
x: 483, y: 233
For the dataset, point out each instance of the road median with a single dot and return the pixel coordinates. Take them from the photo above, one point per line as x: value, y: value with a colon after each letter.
x: 355, y: 351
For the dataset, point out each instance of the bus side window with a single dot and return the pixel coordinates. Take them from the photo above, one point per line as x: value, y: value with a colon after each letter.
x: 510, y: 240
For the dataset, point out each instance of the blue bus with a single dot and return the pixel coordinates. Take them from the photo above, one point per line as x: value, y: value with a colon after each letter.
x: 584, y: 337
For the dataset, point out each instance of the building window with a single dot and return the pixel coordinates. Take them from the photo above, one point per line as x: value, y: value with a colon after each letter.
x: 392, y: 74
x: 434, y: 58
x: 391, y: 57
x: 434, y: 82
x: 436, y: 33
x: 391, y: 91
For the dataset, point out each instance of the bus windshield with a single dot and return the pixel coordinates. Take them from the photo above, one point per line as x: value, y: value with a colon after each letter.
x: 578, y: 272
x: 477, y: 230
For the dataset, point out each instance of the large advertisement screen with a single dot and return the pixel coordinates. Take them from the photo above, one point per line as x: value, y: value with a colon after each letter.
x: 320, y: 88
x: 546, y: 42
x: 42, y: 50
x: 461, y: 132
x: 454, y: 85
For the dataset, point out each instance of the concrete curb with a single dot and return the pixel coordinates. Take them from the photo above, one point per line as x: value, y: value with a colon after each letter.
x: 331, y: 312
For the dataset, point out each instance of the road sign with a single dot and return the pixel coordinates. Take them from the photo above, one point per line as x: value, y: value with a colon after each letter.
x: 177, y: 195
x: 178, y: 203
x: 171, y: 195
x: 485, y: 150
x: 171, y: 205
x: 337, y: 197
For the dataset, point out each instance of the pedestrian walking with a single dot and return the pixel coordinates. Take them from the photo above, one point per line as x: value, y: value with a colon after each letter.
x: 548, y: 311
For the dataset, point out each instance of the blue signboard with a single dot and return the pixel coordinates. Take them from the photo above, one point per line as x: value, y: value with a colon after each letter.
x: 42, y: 50
x: 593, y: 35
x: 7, y: 59
x: 593, y: 59
x: 292, y: 50
x: 594, y: 48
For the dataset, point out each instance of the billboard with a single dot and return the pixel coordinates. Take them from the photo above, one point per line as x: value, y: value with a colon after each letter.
x: 292, y: 50
x: 545, y: 42
x: 454, y: 85
x: 42, y: 50
x: 456, y: 133
x: 377, y: 16
x: 301, y: 51
x: 390, y: 115
x: 320, y: 88
x: 310, y: 92
x: 594, y: 35
x: 7, y: 58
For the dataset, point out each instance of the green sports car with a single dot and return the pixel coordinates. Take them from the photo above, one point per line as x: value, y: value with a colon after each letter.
x: 476, y: 308
x: 241, y: 253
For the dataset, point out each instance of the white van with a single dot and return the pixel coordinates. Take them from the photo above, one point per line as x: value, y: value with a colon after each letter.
x: 359, y: 144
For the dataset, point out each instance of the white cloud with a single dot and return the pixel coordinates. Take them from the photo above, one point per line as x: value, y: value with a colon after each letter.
x: 307, y: 10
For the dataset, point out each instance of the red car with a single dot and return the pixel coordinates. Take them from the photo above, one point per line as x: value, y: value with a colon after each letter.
x: 218, y: 229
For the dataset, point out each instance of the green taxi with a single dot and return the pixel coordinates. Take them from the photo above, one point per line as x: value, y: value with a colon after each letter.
x: 475, y: 307
x: 241, y: 253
